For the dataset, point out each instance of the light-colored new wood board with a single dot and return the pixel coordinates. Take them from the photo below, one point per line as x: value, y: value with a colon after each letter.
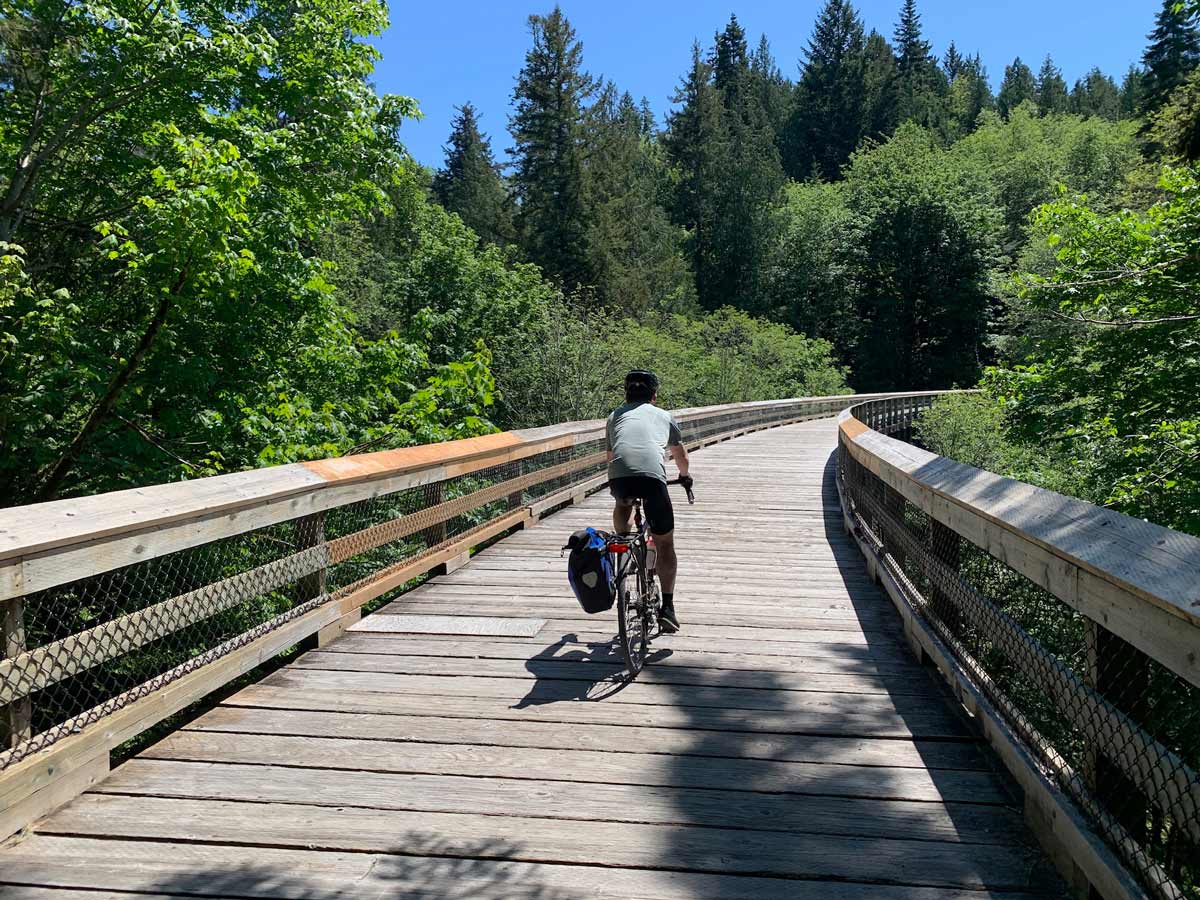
x: 486, y: 626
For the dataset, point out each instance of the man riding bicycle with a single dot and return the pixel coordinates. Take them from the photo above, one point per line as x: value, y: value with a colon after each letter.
x: 639, y: 435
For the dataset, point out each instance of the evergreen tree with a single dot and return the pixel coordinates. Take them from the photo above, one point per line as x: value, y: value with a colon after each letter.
x: 649, y: 122
x: 912, y: 50
x: 1133, y: 93
x: 550, y: 95
x: 634, y: 250
x: 970, y: 95
x: 827, y: 121
x: 1052, y: 94
x: 730, y: 58
x: 954, y: 63
x: 1096, y: 94
x: 880, y: 88
x: 1173, y: 53
x: 1176, y: 127
x: 470, y: 184
x: 922, y: 87
x: 697, y: 144
x: 772, y: 89
x: 1018, y: 86
x: 730, y: 175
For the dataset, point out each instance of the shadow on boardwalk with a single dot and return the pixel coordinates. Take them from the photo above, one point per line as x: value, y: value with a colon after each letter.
x: 829, y: 833
x: 422, y: 865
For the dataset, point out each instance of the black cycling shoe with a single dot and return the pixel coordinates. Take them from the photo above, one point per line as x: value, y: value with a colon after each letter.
x: 667, y: 621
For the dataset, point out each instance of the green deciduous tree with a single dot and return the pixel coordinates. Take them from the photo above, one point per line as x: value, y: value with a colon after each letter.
x: 1021, y: 163
x: 1118, y: 384
x: 165, y: 168
x: 470, y: 184
x: 547, y: 128
x: 808, y: 280
x: 970, y: 96
x: 922, y: 245
x: 575, y: 370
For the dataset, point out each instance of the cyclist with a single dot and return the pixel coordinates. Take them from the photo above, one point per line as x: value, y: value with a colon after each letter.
x: 639, y: 434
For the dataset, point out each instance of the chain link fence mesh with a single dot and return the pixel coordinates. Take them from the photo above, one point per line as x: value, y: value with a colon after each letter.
x: 76, y: 653
x: 1118, y: 731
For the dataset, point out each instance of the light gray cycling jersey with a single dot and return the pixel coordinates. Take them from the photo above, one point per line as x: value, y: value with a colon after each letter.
x: 638, y: 435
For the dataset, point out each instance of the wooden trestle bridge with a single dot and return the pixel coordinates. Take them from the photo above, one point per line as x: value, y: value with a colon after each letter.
x: 865, y: 702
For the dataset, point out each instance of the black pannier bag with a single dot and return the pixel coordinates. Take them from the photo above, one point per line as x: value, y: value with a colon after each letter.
x: 589, y: 569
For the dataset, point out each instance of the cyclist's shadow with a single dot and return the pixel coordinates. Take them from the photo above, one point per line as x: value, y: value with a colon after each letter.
x: 590, y: 671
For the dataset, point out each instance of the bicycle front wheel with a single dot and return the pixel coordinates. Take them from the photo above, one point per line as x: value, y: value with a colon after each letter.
x: 631, y: 620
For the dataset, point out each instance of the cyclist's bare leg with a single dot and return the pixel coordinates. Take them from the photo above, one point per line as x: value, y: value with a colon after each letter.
x: 667, y: 563
x: 623, y: 517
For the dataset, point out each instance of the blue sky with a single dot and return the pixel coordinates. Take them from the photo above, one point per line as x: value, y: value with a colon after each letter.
x: 447, y: 53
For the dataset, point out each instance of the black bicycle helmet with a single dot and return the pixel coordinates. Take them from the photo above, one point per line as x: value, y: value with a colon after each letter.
x: 642, y: 376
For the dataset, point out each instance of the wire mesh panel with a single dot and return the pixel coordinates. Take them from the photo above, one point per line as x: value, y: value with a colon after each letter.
x: 1118, y: 730
x: 86, y: 647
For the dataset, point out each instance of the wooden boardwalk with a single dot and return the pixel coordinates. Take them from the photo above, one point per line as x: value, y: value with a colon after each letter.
x: 784, y: 745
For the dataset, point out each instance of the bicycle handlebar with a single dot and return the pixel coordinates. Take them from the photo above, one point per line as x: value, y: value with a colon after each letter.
x: 691, y: 497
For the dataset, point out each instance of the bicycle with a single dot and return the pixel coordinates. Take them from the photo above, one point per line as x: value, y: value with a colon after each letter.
x: 639, y: 597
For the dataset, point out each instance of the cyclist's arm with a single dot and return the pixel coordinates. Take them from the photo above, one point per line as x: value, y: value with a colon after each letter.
x: 680, y: 456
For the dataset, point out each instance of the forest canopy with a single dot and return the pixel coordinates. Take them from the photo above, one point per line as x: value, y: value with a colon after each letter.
x: 232, y: 261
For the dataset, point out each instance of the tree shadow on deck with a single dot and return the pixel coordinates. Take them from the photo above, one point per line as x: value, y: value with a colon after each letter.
x: 422, y: 865
x: 884, y: 784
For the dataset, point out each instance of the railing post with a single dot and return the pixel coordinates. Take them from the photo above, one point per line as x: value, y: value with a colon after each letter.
x: 310, y: 532
x: 894, y: 503
x: 1119, y: 673
x: 16, y: 719
x: 946, y: 547
x: 514, y: 500
x: 434, y: 495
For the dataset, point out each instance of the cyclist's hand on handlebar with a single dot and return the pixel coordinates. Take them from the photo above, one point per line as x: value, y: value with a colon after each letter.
x: 687, y: 481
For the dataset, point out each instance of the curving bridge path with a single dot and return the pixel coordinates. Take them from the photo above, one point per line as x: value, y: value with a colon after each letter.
x: 785, y: 745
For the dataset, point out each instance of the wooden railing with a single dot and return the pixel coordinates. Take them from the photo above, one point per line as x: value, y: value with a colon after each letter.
x: 122, y: 609
x: 1070, y: 632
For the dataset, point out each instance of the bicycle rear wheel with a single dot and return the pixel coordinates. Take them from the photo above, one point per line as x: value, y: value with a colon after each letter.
x: 631, y: 619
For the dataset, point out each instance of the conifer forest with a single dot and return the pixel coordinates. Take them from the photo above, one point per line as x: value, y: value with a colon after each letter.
x: 216, y: 253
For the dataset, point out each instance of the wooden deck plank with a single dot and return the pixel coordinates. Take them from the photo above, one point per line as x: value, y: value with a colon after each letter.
x: 622, y: 737
x: 581, y: 766
x: 816, y: 660
x: 579, y: 842
x: 784, y: 745
x: 701, y: 803
x: 729, y: 708
x: 586, y: 669
x: 219, y: 870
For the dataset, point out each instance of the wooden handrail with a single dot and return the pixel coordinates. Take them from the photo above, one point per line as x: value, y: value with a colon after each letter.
x: 47, y: 544
x: 1136, y: 579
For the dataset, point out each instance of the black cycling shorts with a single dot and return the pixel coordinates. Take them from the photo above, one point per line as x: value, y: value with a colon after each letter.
x: 656, y: 500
